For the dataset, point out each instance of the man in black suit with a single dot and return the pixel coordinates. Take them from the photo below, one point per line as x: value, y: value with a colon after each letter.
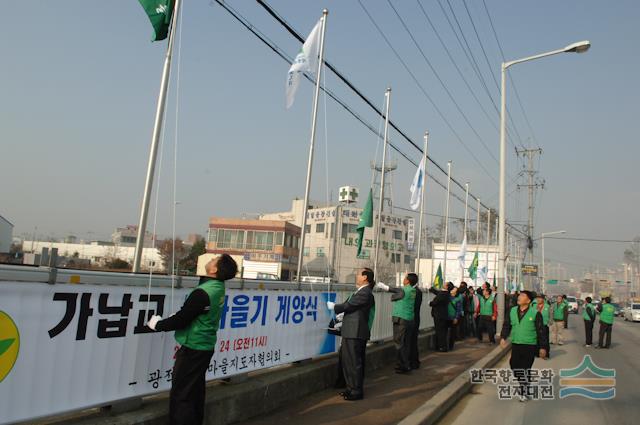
x: 439, y: 311
x: 358, y: 310
x: 414, y: 360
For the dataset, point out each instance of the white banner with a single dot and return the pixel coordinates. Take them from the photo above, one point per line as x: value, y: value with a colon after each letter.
x: 67, y: 347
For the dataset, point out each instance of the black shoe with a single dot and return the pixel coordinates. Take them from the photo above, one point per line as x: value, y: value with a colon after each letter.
x: 442, y: 350
x: 351, y: 397
x: 415, y: 366
x: 344, y: 393
x: 403, y: 371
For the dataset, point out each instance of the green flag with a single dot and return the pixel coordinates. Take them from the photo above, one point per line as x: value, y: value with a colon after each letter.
x: 473, y: 268
x: 366, y: 220
x: 552, y: 282
x: 437, y: 281
x: 159, y: 12
x: 495, y: 285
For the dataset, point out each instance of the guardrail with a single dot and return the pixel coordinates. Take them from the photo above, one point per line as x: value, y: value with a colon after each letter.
x: 80, y: 340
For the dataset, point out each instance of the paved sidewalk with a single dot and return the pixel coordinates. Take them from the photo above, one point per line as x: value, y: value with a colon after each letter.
x: 389, y: 397
x: 482, y: 406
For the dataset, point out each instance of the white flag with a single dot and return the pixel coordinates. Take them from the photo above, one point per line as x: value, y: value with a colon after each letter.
x: 306, y: 61
x: 483, y: 274
x: 417, y: 187
x: 463, y: 252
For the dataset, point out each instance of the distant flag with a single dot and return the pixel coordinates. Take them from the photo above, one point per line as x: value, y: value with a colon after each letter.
x: 306, y: 61
x: 483, y: 274
x: 495, y: 285
x: 437, y: 281
x: 417, y: 186
x: 366, y: 220
x: 473, y: 268
x: 159, y: 12
x: 463, y: 252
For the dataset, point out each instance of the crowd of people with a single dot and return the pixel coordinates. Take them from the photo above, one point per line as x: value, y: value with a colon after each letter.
x: 458, y: 313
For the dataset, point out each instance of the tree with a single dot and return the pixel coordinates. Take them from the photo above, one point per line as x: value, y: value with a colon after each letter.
x: 118, y: 264
x: 167, y: 247
x: 190, y: 263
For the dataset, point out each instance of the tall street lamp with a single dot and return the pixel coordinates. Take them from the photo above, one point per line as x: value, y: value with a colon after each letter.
x: 579, y: 47
x: 544, y: 276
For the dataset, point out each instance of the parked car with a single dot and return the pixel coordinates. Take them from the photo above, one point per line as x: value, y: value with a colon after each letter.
x: 618, y: 309
x: 632, y: 313
x: 573, y: 304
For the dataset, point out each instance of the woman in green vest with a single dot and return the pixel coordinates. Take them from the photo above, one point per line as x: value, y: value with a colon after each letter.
x: 195, y: 326
x: 403, y: 301
x: 607, y: 315
x: 589, y: 316
x: 525, y: 325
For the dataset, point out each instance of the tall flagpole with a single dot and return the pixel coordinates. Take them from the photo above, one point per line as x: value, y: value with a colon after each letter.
x: 387, y: 95
x: 488, y: 239
x: 422, y: 188
x: 464, y: 234
x: 477, y: 236
x: 495, y: 259
x: 155, y: 141
x: 446, y: 223
x: 316, y: 96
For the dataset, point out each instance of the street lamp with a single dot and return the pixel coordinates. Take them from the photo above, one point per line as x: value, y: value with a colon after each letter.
x: 544, y: 276
x: 579, y: 47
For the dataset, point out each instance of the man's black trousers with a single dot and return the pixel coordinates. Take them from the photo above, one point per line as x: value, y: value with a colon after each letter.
x: 522, y: 357
x: 588, y: 332
x: 352, y: 356
x: 186, y: 402
x: 402, y: 331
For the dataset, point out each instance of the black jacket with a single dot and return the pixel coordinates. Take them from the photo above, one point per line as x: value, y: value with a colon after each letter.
x: 356, y: 314
x: 439, y: 305
x: 416, y: 308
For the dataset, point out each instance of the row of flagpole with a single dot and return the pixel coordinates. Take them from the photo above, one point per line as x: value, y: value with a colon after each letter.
x: 309, y: 59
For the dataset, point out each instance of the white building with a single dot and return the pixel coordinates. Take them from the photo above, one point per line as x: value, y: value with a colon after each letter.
x: 6, y: 234
x: 99, y: 253
x: 331, y: 242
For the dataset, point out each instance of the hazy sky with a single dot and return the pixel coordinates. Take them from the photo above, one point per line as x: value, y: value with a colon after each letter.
x: 80, y: 79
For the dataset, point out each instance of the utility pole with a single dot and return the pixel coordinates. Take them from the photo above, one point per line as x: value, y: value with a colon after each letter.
x: 532, y: 185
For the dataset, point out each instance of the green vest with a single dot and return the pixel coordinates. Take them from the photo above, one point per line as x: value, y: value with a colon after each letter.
x: 451, y: 307
x: 558, y: 311
x: 606, y: 316
x: 405, y: 308
x: 486, y: 306
x: 585, y: 315
x: 545, y: 311
x: 201, y: 332
x: 524, y: 331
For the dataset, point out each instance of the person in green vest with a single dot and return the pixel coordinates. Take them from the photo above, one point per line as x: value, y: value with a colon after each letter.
x: 589, y: 316
x: 558, y: 314
x: 607, y: 314
x: 543, y: 307
x: 195, y: 326
x: 525, y: 325
x: 403, y: 314
x: 454, y: 314
x: 487, y: 312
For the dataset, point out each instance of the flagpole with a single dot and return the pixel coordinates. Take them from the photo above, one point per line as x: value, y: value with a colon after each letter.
x: 464, y: 234
x: 446, y: 223
x: 488, y: 240
x: 155, y: 141
x: 387, y: 95
x: 495, y: 259
x: 316, y: 96
x: 424, y: 180
x: 477, y: 237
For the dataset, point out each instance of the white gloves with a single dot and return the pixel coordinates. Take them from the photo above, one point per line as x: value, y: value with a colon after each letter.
x: 339, y: 317
x: 154, y: 321
x: 382, y: 286
x: 331, y: 305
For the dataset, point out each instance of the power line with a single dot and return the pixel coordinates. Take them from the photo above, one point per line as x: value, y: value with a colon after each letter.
x: 431, y: 101
x: 365, y: 99
x: 593, y: 240
x: 513, y: 84
x: 444, y: 86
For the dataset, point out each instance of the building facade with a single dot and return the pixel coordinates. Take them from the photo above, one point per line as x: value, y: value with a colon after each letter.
x: 331, y: 242
x: 128, y: 235
x: 6, y: 235
x: 263, y: 248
